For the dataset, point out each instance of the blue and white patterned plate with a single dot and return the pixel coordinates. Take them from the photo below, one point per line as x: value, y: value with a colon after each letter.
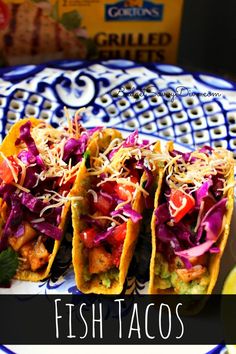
x: 160, y: 100
x: 74, y: 349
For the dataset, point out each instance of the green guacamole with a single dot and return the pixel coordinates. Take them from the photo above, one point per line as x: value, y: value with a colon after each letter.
x: 107, y: 277
x: 164, y: 279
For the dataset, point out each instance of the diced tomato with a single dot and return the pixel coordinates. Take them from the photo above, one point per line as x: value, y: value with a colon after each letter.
x: 135, y: 172
x: 87, y: 236
x: 119, y: 233
x: 6, y: 172
x: 103, y: 204
x: 182, y: 203
x: 108, y: 187
x: 118, y: 236
x: 116, y: 254
x: 124, y: 191
x: 66, y: 186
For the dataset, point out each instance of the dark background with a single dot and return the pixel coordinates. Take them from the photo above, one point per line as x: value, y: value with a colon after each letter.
x: 208, y: 37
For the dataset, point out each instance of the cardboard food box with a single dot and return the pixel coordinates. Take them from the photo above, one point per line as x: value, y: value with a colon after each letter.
x: 34, y: 31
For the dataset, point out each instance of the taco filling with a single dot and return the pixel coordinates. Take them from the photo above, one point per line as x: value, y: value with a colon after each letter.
x: 190, y: 219
x: 111, y: 207
x: 35, y: 183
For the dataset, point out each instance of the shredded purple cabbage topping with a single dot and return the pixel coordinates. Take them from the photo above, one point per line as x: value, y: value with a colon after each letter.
x: 32, y: 203
x: 102, y: 236
x: 182, y: 239
x: 201, y: 227
x: 75, y: 148
x: 26, y: 137
x: 203, y: 192
x: 128, y: 211
x: 26, y: 207
x: 130, y: 141
x: 48, y: 229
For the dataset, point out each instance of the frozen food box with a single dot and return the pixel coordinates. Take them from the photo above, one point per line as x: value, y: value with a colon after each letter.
x: 34, y: 31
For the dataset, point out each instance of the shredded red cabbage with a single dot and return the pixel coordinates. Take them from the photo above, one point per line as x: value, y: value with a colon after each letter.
x: 196, y: 251
x: 26, y: 157
x: 32, y: 203
x: 218, y: 185
x: 206, y: 150
x: 93, y: 130
x: 13, y: 221
x: 128, y: 211
x: 214, y: 250
x: 102, y: 236
x: 26, y: 206
x: 6, y: 191
x: 19, y: 231
x: 202, y: 192
x: 162, y: 214
x: 31, y: 178
x: 26, y: 137
x: 213, y: 220
x: 75, y: 147
x: 210, y: 227
x: 130, y: 141
x: 181, y: 238
x: 48, y: 229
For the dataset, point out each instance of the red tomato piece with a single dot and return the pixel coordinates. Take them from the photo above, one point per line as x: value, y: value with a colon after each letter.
x: 182, y: 204
x: 119, y: 233
x: 108, y: 187
x: 124, y: 191
x: 65, y: 186
x: 103, y: 204
x: 6, y: 172
x: 87, y: 236
x: 116, y: 254
x: 135, y: 173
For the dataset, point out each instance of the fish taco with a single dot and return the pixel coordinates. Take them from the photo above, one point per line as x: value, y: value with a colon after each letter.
x: 38, y: 166
x: 113, y: 186
x: 191, y: 220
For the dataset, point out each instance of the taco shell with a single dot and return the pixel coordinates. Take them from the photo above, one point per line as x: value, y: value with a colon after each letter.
x: 8, y: 148
x: 82, y: 185
x: 213, y: 265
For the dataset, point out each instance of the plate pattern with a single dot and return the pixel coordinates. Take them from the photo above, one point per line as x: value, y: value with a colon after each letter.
x: 158, y: 99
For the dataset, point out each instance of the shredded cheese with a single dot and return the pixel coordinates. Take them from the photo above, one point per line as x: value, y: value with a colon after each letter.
x: 191, y: 175
x: 94, y: 194
x: 104, y: 218
x: 36, y: 221
x: 20, y: 187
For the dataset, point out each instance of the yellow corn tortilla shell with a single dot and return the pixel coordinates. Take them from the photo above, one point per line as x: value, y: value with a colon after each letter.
x: 78, y: 255
x: 8, y: 148
x: 214, y: 259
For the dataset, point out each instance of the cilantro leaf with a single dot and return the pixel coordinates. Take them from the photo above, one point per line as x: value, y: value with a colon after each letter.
x: 8, y: 265
x: 87, y: 158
